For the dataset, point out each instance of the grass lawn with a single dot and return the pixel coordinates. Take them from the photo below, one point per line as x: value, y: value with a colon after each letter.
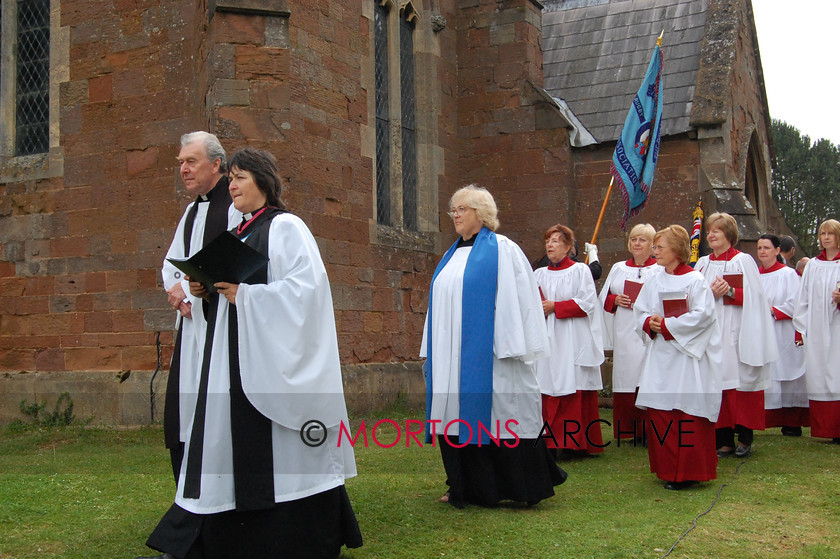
x: 97, y: 493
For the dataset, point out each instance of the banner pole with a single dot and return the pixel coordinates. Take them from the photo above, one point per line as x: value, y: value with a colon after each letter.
x: 603, y: 210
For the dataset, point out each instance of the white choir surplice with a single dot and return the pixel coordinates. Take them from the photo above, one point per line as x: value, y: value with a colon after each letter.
x: 817, y: 318
x: 749, y: 341
x: 782, y: 287
x: 683, y: 373
x: 290, y: 371
x: 576, y: 344
x: 519, y: 338
x: 193, y: 329
x: 628, y: 350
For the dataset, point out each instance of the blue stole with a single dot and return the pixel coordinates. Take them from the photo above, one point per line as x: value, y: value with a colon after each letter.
x: 478, y: 313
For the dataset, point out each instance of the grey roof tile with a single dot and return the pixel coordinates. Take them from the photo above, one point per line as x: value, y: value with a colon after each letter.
x: 596, y: 53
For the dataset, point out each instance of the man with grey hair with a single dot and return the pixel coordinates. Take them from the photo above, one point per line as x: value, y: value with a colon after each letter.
x: 203, y: 169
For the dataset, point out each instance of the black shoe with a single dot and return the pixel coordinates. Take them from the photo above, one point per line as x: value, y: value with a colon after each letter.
x: 164, y: 556
x: 836, y: 440
x: 723, y: 452
x: 678, y: 485
x: 743, y: 450
x: 792, y: 431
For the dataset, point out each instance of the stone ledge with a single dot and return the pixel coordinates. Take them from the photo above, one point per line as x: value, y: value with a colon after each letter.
x: 123, y: 398
x: 279, y: 8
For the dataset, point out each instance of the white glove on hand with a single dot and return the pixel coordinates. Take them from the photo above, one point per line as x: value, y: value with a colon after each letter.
x: 591, y: 251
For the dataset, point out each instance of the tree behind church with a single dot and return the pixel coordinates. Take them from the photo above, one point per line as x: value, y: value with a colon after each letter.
x: 806, y: 182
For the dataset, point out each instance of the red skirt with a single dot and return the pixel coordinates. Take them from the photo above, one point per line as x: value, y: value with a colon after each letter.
x: 628, y: 420
x: 681, y: 447
x: 787, y: 417
x: 825, y: 419
x: 573, y: 421
x: 741, y: 408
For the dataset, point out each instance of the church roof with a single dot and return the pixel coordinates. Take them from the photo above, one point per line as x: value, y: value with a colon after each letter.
x: 596, y: 53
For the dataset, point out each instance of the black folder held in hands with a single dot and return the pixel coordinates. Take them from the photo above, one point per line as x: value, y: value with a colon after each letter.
x: 225, y: 258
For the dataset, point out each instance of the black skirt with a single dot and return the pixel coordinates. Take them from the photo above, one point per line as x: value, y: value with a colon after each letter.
x: 312, y: 527
x: 485, y: 475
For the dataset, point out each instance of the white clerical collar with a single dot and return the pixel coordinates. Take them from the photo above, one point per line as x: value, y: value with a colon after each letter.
x: 203, y: 197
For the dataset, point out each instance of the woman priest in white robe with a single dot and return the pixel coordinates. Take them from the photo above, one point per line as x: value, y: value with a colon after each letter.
x: 817, y: 317
x: 570, y: 375
x: 251, y: 484
x: 749, y: 342
x: 617, y: 296
x: 484, y: 328
x: 786, y: 396
x: 680, y: 385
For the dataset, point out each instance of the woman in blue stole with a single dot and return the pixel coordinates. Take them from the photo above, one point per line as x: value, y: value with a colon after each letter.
x: 484, y: 329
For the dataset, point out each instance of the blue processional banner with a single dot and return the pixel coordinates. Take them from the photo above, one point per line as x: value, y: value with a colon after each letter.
x: 634, y: 159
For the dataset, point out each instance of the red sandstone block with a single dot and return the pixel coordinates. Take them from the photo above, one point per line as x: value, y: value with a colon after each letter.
x: 240, y: 29
x: 50, y: 324
x: 70, y: 284
x: 92, y: 359
x: 128, y: 321
x: 17, y: 360
x: 69, y: 247
x: 121, y: 280
x: 373, y: 322
x: 149, y: 279
x: 99, y: 321
x: 117, y: 60
x: 126, y: 339
x: 269, y: 64
x: 478, y: 37
x: 79, y: 340
x: 137, y: 161
x: 35, y: 342
x: 40, y: 285
x: 12, y: 286
x: 32, y: 305
x: 140, y: 358
x: 12, y: 325
x: 100, y: 88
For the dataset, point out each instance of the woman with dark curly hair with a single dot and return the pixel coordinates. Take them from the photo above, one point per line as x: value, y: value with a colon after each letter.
x: 249, y: 485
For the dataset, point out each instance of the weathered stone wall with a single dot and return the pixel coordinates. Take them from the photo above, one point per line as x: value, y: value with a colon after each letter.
x: 674, y: 196
x: 506, y: 144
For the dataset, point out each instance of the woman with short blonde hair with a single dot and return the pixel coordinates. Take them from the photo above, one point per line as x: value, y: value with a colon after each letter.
x: 817, y: 317
x: 617, y: 296
x: 479, y: 199
x: 483, y: 331
x: 680, y: 383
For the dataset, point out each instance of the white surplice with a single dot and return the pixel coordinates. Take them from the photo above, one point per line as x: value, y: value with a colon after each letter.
x: 194, y: 328
x: 577, y: 343
x: 519, y: 338
x: 290, y: 371
x: 817, y: 318
x: 628, y: 349
x: 683, y: 373
x: 787, y: 373
x: 749, y: 342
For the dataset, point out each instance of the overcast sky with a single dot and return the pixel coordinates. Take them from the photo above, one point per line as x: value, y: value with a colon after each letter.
x: 798, y: 43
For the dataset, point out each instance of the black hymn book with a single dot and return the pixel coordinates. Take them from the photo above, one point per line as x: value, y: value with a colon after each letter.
x: 225, y: 258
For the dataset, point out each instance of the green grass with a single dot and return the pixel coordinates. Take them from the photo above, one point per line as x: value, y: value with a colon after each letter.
x: 97, y: 493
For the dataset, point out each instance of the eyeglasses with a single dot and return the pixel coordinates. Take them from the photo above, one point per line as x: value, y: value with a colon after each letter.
x: 659, y: 247
x: 460, y: 210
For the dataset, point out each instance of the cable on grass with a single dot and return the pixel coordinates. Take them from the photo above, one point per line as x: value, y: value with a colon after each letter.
x: 708, y: 510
